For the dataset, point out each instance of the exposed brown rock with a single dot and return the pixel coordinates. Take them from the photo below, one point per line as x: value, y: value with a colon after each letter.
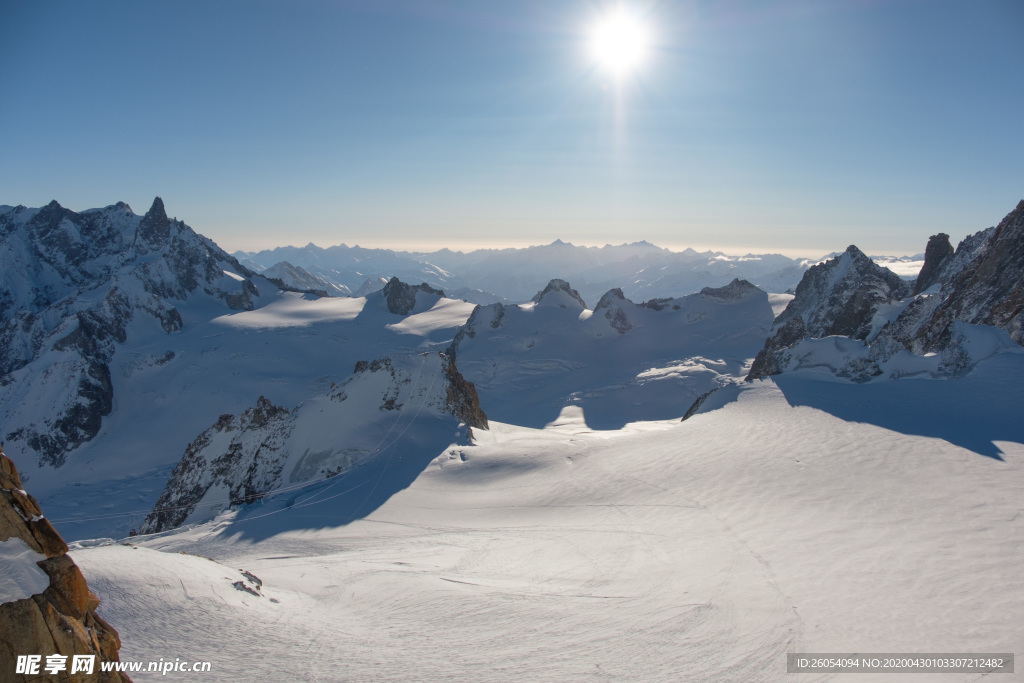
x: 462, y: 399
x: 61, y: 620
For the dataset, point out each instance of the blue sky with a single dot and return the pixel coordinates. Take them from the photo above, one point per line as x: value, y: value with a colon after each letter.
x: 790, y: 126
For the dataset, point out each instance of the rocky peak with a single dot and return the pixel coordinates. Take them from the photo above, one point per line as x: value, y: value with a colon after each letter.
x: 401, y: 298
x: 332, y: 434
x: 559, y: 293
x: 155, y: 228
x: 988, y: 290
x: 837, y: 298
x: 611, y: 306
x: 734, y: 291
x: 935, y: 254
x: 71, y: 283
x: 611, y: 298
x: 982, y: 285
x: 841, y: 296
x: 47, y: 607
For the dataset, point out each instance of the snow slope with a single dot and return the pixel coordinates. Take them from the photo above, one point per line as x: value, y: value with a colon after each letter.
x: 783, y: 521
x: 169, y: 389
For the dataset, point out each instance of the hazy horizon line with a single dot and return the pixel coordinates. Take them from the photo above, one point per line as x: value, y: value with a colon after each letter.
x: 433, y: 247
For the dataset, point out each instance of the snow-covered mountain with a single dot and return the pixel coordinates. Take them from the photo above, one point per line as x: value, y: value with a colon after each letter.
x: 125, y: 336
x: 620, y: 363
x: 388, y: 409
x: 76, y: 286
x: 299, y: 278
x: 859, y: 321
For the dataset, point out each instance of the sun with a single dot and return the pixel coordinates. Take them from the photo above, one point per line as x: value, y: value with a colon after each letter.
x: 618, y: 42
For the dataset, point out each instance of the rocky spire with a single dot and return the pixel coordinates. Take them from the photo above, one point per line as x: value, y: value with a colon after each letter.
x: 935, y: 254
x: 154, y: 229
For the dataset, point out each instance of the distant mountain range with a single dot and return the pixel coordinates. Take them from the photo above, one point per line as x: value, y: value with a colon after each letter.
x: 641, y: 270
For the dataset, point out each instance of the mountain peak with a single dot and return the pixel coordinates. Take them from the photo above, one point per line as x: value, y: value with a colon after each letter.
x: 612, y: 297
x: 734, y: 291
x: 854, y: 251
x: 157, y: 209
x: 154, y: 229
x: 612, y: 305
x: 559, y: 293
x: 560, y: 243
x: 401, y: 298
x: 935, y: 254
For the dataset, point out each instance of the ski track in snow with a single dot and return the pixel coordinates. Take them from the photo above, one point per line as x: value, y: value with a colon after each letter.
x: 665, y: 551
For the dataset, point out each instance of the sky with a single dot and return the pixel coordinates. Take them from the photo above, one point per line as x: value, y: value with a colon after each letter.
x: 788, y: 126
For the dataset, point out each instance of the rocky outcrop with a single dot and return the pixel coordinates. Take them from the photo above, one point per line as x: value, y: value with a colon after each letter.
x: 842, y: 295
x: 461, y: 399
x: 935, y: 254
x: 612, y: 307
x: 837, y: 298
x: 154, y: 230
x: 981, y: 294
x: 734, y: 291
x: 59, y: 619
x: 72, y: 285
x: 401, y: 298
x: 773, y: 358
x: 559, y: 293
x: 243, y: 458
x: 989, y: 290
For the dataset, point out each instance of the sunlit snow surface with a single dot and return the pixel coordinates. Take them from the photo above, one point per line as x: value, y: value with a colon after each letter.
x: 21, y: 576
x: 799, y: 516
x: 290, y: 349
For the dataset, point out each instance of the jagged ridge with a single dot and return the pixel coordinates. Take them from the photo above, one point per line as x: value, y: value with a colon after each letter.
x: 240, y: 459
x: 73, y: 284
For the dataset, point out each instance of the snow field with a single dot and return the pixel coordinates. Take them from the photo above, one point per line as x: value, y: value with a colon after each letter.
x: 702, y: 550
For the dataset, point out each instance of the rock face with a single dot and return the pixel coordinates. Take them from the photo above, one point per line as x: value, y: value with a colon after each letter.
x: 734, y: 291
x: 841, y: 296
x: 59, y: 619
x: 837, y: 298
x: 401, y: 298
x: 612, y: 307
x: 559, y: 293
x: 978, y: 311
x: 72, y: 285
x: 987, y: 290
x: 242, y: 458
x: 935, y: 254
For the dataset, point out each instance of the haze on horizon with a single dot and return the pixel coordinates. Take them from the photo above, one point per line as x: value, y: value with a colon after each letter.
x: 784, y: 126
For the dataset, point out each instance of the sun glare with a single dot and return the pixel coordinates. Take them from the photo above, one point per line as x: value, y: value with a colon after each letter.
x: 618, y: 42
